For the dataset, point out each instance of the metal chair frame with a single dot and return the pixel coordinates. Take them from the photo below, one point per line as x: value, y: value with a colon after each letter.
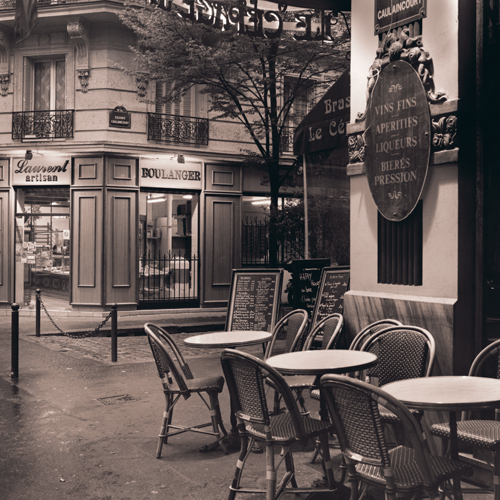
x: 353, y: 406
x: 177, y: 383
x: 245, y: 376
x: 363, y: 335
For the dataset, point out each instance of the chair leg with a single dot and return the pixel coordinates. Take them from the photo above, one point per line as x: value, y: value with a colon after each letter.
x: 496, y: 475
x: 241, y: 461
x: 326, y: 461
x: 289, y: 466
x: 167, y: 420
x: 270, y: 472
x: 216, y: 418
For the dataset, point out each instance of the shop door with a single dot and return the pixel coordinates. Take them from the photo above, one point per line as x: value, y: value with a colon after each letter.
x: 43, y: 246
x: 222, y: 246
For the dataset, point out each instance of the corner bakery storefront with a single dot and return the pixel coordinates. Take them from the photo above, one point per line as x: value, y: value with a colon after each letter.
x: 95, y: 231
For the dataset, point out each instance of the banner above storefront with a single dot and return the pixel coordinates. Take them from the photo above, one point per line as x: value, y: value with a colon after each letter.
x: 157, y: 173
x: 324, y: 127
x: 40, y: 172
x: 249, y: 18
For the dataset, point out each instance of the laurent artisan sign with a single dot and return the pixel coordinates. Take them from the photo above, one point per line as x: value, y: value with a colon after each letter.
x: 393, y: 13
x: 41, y: 172
x: 398, y: 140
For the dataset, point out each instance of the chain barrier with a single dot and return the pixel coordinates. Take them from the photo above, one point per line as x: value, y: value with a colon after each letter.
x: 82, y: 335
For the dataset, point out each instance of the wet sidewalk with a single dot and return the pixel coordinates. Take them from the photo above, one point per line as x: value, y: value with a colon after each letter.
x: 75, y: 425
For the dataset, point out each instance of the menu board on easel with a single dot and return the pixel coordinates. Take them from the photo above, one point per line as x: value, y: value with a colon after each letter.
x: 333, y: 284
x: 254, y: 299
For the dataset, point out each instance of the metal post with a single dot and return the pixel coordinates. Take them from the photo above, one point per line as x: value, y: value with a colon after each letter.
x: 114, y: 333
x: 37, y: 323
x: 15, y: 342
x: 306, y: 210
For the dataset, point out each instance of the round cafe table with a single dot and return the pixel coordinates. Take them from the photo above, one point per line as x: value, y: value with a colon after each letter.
x: 447, y: 393
x: 221, y: 340
x: 232, y: 338
x: 321, y: 361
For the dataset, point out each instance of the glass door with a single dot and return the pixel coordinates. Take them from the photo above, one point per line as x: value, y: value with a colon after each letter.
x: 43, y: 246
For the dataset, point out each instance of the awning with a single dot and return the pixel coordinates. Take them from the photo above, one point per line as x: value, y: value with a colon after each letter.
x: 324, y: 127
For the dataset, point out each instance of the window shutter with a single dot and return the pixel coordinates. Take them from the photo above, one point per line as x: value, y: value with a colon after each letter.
x: 160, y: 94
x: 28, y: 85
x: 186, y: 102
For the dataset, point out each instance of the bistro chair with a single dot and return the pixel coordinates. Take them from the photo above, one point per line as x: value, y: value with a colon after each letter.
x: 246, y: 376
x: 288, y: 333
x: 328, y: 330
x: 362, y: 336
x: 288, y: 336
x: 354, y: 406
x: 403, y: 352
x: 178, y: 380
x: 481, y: 434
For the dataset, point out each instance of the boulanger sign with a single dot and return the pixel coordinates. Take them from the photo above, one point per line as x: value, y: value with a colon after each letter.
x: 398, y: 140
x: 41, y: 172
x: 393, y: 13
x: 170, y: 174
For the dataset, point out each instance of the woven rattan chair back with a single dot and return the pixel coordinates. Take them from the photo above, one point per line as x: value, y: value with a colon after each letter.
x: 245, y: 377
x: 362, y: 336
x: 288, y: 333
x: 354, y: 408
x: 330, y: 328
x: 403, y: 352
x: 170, y: 363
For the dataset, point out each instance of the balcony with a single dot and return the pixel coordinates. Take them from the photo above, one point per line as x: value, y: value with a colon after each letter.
x: 177, y: 129
x: 286, y: 144
x: 42, y: 125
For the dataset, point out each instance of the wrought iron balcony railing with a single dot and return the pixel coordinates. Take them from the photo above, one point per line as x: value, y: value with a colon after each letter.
x: 286, y: 145
x: 33, y: 125
x: 173, y: 128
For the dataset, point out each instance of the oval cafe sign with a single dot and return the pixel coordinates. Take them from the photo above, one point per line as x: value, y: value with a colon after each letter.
x: 398, y: 140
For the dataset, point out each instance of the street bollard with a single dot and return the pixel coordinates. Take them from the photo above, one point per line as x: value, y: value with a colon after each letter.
x: 15, y: 342
x: 114, y: 333
x: 37, y: 313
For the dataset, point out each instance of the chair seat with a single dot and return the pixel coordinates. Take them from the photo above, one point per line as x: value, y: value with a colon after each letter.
x: 388, y: 417
x: 215, y: 383
x: 282, y: 428
x: 483, y: 433
x: 407, y: 474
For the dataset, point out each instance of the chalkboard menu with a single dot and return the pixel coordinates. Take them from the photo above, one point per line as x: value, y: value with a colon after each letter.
x: 330, y: 299
x: 254, y: 299
x: 306, y: 274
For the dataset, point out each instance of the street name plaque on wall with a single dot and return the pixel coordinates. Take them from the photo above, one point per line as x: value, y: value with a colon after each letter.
x: 398, y: 140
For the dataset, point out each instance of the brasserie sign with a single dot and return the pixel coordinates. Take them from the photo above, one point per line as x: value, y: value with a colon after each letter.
x: 390, y: 14
x: 398, y: 140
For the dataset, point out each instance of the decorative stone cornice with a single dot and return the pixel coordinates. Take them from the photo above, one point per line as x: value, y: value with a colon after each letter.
x: 405, y: 45
x: 78, y: 33
x: 83, y: 76
x: 142, y: 83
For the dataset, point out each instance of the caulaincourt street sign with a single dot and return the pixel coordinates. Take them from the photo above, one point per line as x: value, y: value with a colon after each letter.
x: 398, y: 140
x: 390, y: 14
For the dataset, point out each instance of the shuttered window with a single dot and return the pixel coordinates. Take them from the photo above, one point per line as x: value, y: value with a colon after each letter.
x: 179, y: 107
x: 400, y: 249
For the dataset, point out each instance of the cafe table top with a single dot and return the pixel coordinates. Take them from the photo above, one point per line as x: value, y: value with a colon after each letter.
x: 231, y: 338
x: 447, y: 393
x: 321, y: 361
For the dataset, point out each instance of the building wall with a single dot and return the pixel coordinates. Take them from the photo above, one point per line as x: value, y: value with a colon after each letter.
x: 439, y: 303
